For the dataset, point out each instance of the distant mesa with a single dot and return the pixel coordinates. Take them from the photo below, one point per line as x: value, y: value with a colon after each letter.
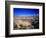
x: 24, y: 17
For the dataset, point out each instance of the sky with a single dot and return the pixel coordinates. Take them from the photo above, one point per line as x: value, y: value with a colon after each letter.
x: 25, y: 12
